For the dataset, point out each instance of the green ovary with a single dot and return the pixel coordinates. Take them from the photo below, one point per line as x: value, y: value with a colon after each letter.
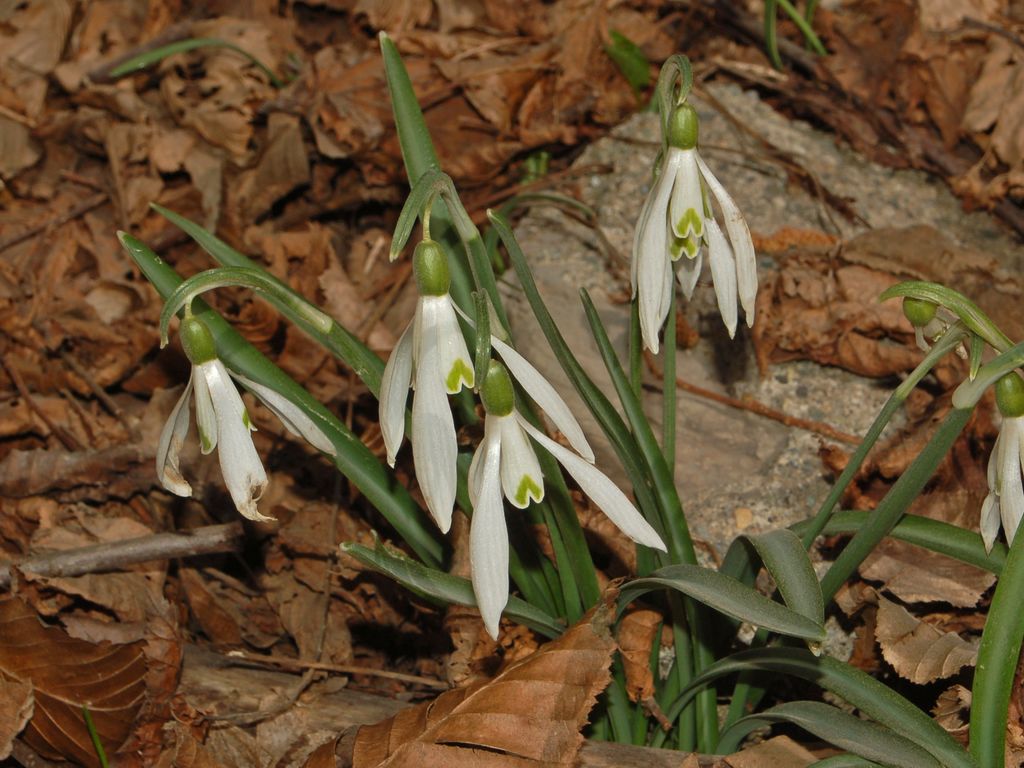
x: 527, y: 488
x: 459, y: 372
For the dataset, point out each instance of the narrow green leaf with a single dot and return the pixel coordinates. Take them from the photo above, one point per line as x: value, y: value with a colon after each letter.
x: 786, y: 560
x: 630, y: 60
x: 483, y: 337
x: 846, y: 760
x: 873, y: 698
x: 353, y: 458
x: 867, y: 739
x: 446, y: 588
x: 344, y: 345
x: 727, y: 596
x: 771, y: 41
x: 149, y: 58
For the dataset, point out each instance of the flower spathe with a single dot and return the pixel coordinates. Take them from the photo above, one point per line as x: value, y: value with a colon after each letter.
x: 224, y: 424
x: 505, y: 466
x: 1004, y: 504
x: 431, y: 357
x: 676, y: 226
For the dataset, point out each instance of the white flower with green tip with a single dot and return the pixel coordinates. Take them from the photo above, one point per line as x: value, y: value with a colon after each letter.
x: 1004, y: 505
x: 432, y: 357
x: 674, y: 227
x: 224, y: 424
x: 505, y: 465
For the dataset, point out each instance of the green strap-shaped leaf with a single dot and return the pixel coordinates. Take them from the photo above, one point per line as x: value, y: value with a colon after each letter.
x: 867, y: 739
x: 786, y: 560
x: 846, y: 760
x: 873, y: 698
x: 353, y: 459
x: 147, y: 59
x: 446, y: 588
x: 727, y: 596
x: 344, y: 345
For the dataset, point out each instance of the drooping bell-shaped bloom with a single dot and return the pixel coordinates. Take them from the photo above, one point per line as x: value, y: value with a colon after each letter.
x: 224, y: 424
x: 431, y: 356
x: 676, y: 225
x: 1004, y: 505
x: 505, y: 466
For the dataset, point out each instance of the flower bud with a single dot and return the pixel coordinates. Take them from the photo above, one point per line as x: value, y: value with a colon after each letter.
x: 682, y: 127
x: 496, y: 392
x: 197, y: 341
x: 1010, y: 395
x: 430, y: 266
x: 919, y: 311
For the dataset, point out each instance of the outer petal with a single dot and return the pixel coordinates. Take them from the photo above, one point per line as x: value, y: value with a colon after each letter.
x: 521, y: 476
x: 293, y: 417
x: 686, y: 211
x: 1011, y: 489
x: 434, y: 446
x: 739, y: 238
x: 723, y: 272
x: 602, y: 492
x: 488, y: 538
x: 239, y: 463
x: 455, y: 364
x: 688, y: 273
x: 394, y: 390
x: 172, y: 438
x: 542, y: 393
x: 652, y: 259
x: 990, y: 520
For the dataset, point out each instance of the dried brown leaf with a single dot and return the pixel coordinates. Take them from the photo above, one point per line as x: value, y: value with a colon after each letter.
x: 67, y: 673
x: 16, y: 706
x: 638, y: 631
x: 917, y: 650
x: 530, y: 714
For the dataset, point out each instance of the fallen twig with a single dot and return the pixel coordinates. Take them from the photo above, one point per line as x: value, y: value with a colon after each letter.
x: 115, y: 554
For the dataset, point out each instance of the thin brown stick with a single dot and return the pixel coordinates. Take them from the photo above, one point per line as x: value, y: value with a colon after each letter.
x: 69, y: 215
x: 818, y: 427
x: 115, y: 554
x: 344, y: 669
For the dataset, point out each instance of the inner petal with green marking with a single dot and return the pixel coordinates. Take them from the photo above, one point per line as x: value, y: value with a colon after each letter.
x: 528, y: 488
x: 683, y: 245
x: 461, y: 372
x: 690, y: 223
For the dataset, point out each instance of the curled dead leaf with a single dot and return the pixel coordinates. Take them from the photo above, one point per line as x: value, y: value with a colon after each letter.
x: 917, y: 650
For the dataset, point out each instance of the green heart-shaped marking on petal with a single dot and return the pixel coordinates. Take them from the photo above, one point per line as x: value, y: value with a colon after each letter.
x: 690, y: 224
x: 460, y: 372
x: 681, y: 245
x: 527, y: 489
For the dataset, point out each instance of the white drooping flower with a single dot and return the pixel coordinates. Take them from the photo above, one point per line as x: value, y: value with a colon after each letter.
x: 1004, y: 504
x: 505, y: 465
x: 432, y: 357
x: 224, y: 424
x: 676, y: 226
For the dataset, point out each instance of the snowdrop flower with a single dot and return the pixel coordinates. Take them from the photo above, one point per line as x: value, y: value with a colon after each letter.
x: 431, y: 355
x: 224, y: 424
x: 675, y: 222
x: 505, y: 465
x: 1005, y: 501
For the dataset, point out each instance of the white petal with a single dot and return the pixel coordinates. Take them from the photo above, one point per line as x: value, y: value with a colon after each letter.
x: 602, y: 491
x: 492, y: 434
x: 990, y: 520
x: 293, y: 417
x: 456, y: 366
x: 723, y: 273
x: 521, y: 476
x: 686, y: 211
x: 488, y: 539
x: 641, y: 225
x: 394, y: 391
x: 434, y: 446
x: 541, y: 392
x: 739, y: 238
x: 206, y: 417
x: 1011, y: 489
x: 172, y: 438
x: 688, y: 273
x: 239, y: 463
x: 652, y: 258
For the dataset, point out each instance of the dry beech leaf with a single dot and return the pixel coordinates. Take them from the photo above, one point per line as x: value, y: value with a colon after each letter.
x: 529, y: 715
x: 65, y: 674
x: 917, y: 650
x: 16, y: 704
x: 638, y: 631
x: 918, y: 576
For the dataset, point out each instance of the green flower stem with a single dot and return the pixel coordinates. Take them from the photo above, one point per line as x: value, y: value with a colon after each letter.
x: 675, y: 81
x: 668, y: 389
x: 813, y: 41
x: 970, y: 314
x: 348, y: 348
x: 895, y: 503
x: 636, y: 347
x: 944, y: 345
x: 353, y: 458
x: 969, y: 393
x: 94, y: 736
x: 771, y: 40
x: 998, y: 656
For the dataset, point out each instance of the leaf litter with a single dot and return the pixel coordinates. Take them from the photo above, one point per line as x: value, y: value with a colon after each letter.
x: 308, y: 176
